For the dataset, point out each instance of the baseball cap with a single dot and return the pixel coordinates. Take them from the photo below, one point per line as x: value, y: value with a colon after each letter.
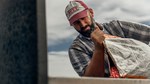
x: 75, y: 9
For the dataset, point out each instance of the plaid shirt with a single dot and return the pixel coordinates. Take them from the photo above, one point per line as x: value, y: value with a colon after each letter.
x: 81, y: 50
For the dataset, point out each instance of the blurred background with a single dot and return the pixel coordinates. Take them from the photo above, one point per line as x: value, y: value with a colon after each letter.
x: 60, y: 35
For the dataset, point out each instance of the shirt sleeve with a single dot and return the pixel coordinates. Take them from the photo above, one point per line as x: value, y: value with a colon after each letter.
x: 136, y: 31
x: 126, y: 29
x: 79, y: 59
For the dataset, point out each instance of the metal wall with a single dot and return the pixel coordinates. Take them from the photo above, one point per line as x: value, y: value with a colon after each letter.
x: 21, y: 50
x: 90, y: 80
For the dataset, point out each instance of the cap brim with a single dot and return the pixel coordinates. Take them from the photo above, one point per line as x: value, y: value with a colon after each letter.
x: 78, y: 16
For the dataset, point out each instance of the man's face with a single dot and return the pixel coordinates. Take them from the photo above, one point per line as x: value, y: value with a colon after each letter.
x: 83, y: 26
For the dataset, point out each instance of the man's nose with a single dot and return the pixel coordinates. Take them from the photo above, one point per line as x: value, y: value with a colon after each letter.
x: 82, y: 23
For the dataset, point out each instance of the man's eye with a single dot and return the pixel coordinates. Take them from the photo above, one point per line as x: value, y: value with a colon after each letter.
x: 76, y: 22
x: 82, y: 18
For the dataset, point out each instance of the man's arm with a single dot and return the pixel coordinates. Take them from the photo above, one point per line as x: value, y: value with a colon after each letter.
x: 96, y: 65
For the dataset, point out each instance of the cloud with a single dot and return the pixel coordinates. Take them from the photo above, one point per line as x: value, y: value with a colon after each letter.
x: 59, y: 31
x: 58, y: 28
x: 55, y: 12
x: 59, y: 65
x: 133, y: 10
x: 57, y: 53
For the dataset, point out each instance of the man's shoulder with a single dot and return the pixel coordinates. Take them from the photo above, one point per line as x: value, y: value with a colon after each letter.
x: 80, y: 41
x: 113, y: 22
x: 121, y: 22
x: 76, y: 42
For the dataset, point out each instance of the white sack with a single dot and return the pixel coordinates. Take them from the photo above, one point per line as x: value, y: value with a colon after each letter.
x: 130, y: 56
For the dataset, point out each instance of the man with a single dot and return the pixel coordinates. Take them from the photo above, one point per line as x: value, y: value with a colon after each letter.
x: 87, y: 53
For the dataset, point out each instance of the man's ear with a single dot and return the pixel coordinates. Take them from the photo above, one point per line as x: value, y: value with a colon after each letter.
x: 91, y: 12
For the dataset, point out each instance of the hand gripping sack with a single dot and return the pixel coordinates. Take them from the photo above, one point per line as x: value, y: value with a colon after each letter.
x: 131, y: 57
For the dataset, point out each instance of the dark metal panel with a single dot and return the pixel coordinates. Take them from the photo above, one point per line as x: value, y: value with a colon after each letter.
x: 19, y: 44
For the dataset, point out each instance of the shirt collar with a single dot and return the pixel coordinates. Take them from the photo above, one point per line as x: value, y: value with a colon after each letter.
x: 81, y: 36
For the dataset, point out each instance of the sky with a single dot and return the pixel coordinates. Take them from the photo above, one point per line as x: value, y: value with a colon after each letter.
x: 60, y: 35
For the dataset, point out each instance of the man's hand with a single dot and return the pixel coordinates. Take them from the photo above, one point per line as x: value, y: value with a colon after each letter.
x: 98, y: 36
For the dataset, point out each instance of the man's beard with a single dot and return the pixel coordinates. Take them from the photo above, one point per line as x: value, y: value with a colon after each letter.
x: 84, y: 32
x: 87, y: 33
